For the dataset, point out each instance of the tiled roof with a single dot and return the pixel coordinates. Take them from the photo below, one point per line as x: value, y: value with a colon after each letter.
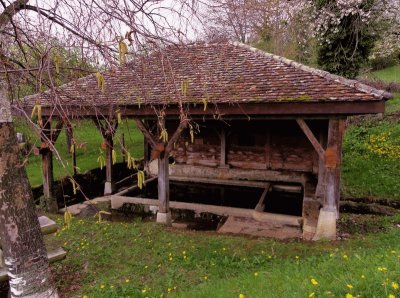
x: 217, y: 72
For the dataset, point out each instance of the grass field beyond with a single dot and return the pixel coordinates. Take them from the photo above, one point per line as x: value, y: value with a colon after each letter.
x: 88, y: 140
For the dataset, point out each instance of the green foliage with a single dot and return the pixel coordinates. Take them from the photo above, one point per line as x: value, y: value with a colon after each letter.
x: 344, y: 48
x: 365, y: 172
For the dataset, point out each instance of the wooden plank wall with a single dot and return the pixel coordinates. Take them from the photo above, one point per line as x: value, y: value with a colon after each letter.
x: 258, y: 144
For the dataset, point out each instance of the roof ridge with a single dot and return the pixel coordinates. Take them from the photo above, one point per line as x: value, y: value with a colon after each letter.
x: 322, y: 73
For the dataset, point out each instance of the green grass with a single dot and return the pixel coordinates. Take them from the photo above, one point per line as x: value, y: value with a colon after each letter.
x: 88, y: 140
x: 364, y: 173
x: 389, y: 74
x: 137, y: 259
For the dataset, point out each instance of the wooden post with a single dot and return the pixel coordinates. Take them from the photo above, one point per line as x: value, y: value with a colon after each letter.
x: 163, y: 214
x: 109, y: 186
x: 320, y: 190
x: 223, y: 149
x: 163, y: 185
x: 74, y: 159
x: 326, y: 228
x: 268, y: 149
x: 69, y: 136
x: 108, y: 130
x: 50, y: 201
x: 123, y: 147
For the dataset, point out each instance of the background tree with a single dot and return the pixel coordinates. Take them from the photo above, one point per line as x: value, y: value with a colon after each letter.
x: 346, y: 33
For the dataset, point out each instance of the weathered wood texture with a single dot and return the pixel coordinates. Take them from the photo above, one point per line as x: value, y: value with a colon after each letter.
x: 264, y: 145
x: 49, y: 137
x: 118, y: 201
x: 163, y: 185
x: 313, y: 140
x: 107, y: 129
x: 332, y: 164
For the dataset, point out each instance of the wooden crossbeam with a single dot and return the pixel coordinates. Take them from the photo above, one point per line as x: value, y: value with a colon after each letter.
x: 260, y: 205
x: 56, y: 131
x: 313, y: 140
x: 146, y: 132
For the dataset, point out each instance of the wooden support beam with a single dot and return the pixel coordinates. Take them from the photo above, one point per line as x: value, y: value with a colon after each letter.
x: 320, y: 189
x: 118, y: 201
x: 50, y: 201
x: 260, y: 205
x: 332, y: 165
x: 69, y: 134
x: 107, y: 130
x: 223, y: 153
x: 56, y: 131
x: 146, y: 132
x: 307, y: 131
x: 163, y: 184
x: 109, y: 185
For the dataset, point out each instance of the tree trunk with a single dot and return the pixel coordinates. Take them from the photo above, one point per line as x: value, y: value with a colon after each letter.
x: 22, y: 241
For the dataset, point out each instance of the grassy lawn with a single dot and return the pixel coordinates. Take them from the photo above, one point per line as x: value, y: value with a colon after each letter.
x: 389, y: 74
x: 367, y: 172
x: 88, y: 140
x: 136, y: 259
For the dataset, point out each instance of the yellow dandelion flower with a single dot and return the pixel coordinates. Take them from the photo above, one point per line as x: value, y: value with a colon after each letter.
x: 349, y: 286
x: 170, y: 258
x: 84, y: 296
x: 144, y: 291
x: 127, y: 280
x: 311, y: 295
x: 348, y: 295
x: 205, y: 277
x: 395, y: 285
x: 241, y: 295
x: 169, y: 290
x: 314, y: 282
x: 391, y: 296
x: 345, y: 257
x: 256, y: 274
x: 102, y: 286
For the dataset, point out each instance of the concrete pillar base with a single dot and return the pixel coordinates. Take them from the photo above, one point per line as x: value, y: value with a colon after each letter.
x: 164, y: 218
x: 109, y: 188
x: 326, y: 227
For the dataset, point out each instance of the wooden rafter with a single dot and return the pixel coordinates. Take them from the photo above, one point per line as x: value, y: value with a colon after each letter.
x: 313, y: 140
x: 56, y: 131
x: 146, y: 132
